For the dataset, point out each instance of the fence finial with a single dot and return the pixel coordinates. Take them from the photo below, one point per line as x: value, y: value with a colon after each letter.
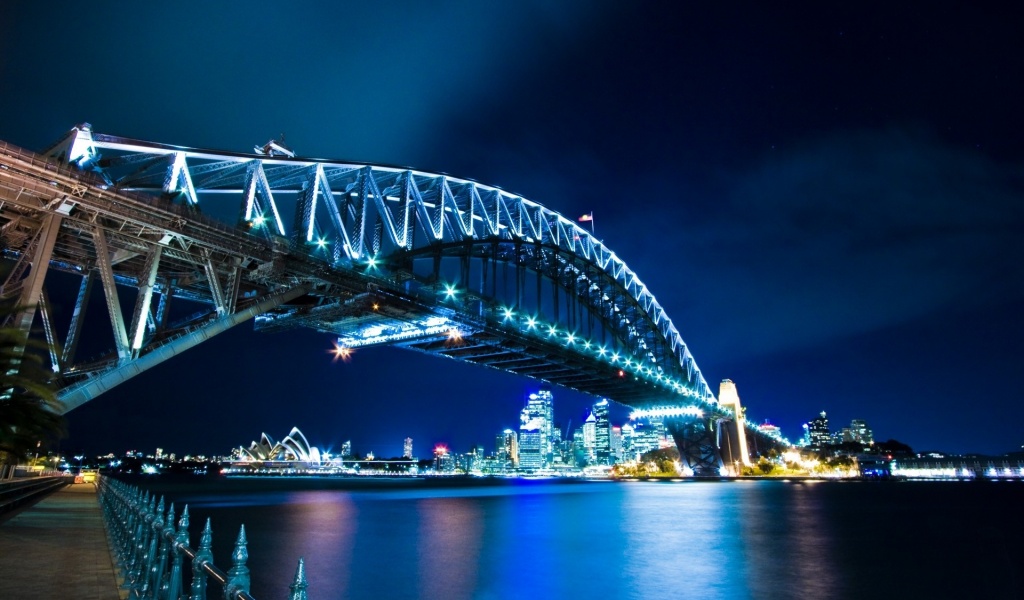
x: 238, y: 574
x: 298, y: 587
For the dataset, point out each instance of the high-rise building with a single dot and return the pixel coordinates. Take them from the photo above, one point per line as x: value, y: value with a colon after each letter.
x: 817, y: 432
x: 538, y: 415
x: 508, y: 448
x: 444, y: 461
x: 861, y: 432
x: 616, y: 440
x: 346, y: 449
x: 602, y: 433
x: 407, y: 448
x: 628, y: 442
x: 530, y: 456
x: 590, y: 437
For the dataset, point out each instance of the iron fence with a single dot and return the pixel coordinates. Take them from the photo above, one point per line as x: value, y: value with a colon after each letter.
x: 151, y: 550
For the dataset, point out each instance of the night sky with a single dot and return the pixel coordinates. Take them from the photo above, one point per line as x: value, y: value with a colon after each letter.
x: 827, y: 200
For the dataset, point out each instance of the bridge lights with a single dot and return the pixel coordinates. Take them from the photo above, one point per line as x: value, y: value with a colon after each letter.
x: 586, y: 345
x: 508, y: 313
x: 622, y: 373
x: 371, y: 262
x: 602, y: 351
x: 450, y: 291
x: 552, y: 330
x: 259, y: 221
x: 570, y: 339
x: 615, y: 357
x: 531, y: 323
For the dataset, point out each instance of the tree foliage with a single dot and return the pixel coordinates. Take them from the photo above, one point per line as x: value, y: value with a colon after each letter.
x: 28, y: 398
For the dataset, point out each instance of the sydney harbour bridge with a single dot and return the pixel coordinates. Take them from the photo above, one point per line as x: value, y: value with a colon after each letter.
x: 375, y: 255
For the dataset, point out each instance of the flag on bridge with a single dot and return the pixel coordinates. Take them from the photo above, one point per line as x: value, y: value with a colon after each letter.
x: 589, y: 217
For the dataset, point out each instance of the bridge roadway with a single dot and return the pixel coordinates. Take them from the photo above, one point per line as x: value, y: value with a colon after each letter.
x: 375, y: 255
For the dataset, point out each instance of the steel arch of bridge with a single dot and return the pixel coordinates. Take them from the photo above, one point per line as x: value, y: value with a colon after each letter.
x: 358, y: 230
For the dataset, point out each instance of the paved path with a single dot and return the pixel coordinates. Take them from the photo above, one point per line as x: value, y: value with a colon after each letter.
x: 57, y: 548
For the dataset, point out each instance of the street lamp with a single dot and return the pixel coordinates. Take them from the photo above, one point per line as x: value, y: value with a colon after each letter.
x: 79, y: 458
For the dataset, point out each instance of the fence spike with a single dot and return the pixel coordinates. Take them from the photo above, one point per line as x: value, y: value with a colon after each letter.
x: 298, y: 587
x: 238, y: 574
x: 203, y: 556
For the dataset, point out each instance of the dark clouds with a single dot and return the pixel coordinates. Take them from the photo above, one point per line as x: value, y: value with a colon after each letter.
x: 852, y: 233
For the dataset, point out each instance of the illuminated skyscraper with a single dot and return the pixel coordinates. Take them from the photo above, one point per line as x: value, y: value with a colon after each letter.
x: 444, y: 461
x: 535, y: 431
x: 508, y: 448
x: 589, y: 437
x: 538, y: 416
x: 407, y: 448
x: 530, y: 456
x: 346, y: 449
x: 861, y: 432
x: 602, y: 433
x: 616, y: 440
x: 818, y: 433
x: 628, y: 439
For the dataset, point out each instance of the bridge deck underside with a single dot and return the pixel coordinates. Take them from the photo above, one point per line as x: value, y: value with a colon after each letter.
x: 480, y: 342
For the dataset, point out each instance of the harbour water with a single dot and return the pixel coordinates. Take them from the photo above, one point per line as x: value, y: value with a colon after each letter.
x: 686, y: 539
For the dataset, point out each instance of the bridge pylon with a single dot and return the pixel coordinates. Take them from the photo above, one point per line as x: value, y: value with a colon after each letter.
x: 697, y: 442
x: 732, y: 432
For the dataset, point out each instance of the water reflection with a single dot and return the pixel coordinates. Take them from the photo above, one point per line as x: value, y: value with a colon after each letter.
x: 766, y: 539
x: 681, y: 540
x: 449, y: 547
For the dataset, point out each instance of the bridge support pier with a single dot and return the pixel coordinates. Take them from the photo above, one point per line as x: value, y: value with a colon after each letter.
x: 697, y: 444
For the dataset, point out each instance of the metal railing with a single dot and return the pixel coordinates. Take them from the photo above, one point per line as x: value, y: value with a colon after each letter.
x: 151, y: 551
x: 17, y: 492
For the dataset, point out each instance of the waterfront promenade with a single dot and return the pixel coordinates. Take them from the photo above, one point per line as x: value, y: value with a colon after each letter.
x: 58, y: 548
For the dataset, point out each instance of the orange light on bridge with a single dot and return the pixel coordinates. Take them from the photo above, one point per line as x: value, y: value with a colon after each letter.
x: 341, y: 352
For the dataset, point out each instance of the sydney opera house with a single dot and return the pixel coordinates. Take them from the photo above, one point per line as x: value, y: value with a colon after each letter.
x: 294, y: 448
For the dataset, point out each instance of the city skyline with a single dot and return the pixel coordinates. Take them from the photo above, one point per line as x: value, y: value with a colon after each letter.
x: 824, y: 199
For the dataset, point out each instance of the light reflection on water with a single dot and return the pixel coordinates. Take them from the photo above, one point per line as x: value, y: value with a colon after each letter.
x: 606, y: 540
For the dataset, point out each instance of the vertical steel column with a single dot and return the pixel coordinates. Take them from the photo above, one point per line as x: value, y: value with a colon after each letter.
x: 164, y: 306
x: 77, y: 319
x: 52, y: 343
x: 215, y: 288
x: 33, y: 283
x: 231, y: 293
x: 142, y: 303
x: 110, y: 291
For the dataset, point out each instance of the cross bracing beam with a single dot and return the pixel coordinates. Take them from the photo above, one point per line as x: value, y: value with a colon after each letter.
x: 77, y: 395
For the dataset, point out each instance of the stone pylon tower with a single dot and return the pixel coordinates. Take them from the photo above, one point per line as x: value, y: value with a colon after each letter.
x: 734, y: 447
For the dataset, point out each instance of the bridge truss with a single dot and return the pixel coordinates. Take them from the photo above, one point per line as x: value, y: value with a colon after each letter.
x: 373, y: 255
